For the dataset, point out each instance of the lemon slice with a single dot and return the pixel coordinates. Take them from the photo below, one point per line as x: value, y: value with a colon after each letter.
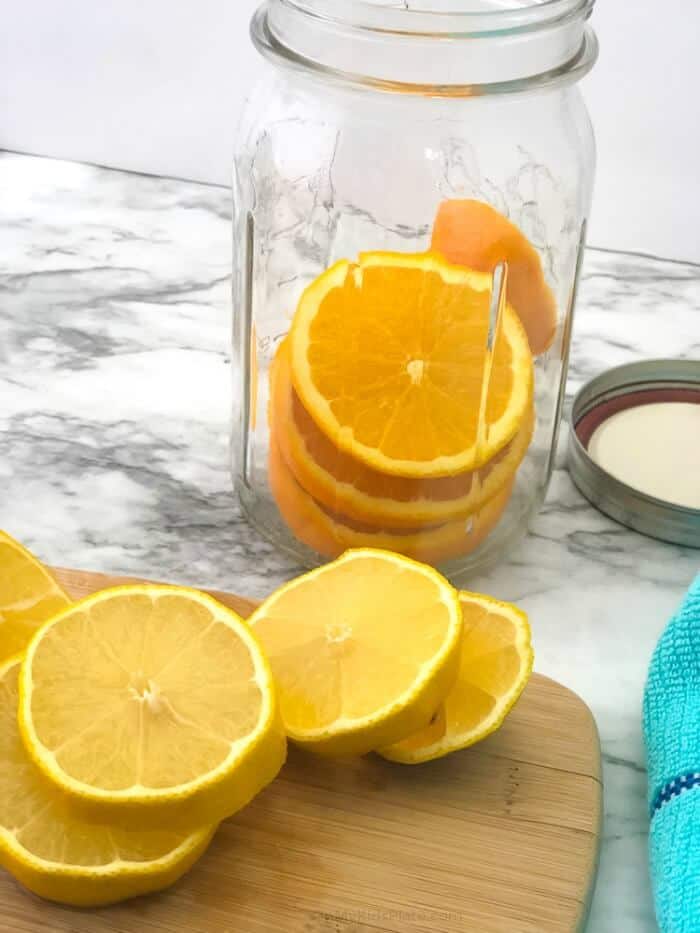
x: 153, y: 700
x: 58, y: 854
x: 363, y: 650
x: 495, y: 664
x: 29, y: 596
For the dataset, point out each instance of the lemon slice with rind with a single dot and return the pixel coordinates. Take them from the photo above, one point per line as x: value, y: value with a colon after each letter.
x: 153, y: 701
x: 495, y: 665
x: 362, y: 649
x: 29, y: 596
x: 58, y: 854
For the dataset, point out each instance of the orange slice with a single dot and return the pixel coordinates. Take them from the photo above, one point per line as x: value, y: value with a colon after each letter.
x: 388, y: 356
x: 495, y: 664
x: 474, y: 234
x: 330, y: 534
x: 341, y: 483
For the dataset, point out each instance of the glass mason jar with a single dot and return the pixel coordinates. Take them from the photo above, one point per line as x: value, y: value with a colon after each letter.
x: 411, y: 187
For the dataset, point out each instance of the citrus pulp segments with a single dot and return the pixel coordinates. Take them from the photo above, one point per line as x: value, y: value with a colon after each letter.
x: 58, y: 854
x: 152, y: 702
x: 361, y: 648
x: 388, y: 356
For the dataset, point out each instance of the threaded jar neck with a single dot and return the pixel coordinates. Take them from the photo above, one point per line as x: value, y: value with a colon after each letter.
x: 435, y: 47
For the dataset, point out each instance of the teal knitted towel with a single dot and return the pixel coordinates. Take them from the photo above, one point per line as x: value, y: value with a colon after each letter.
x: 672, y: 737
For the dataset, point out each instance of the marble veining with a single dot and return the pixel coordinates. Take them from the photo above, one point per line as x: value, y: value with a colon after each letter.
x: 114, y: 408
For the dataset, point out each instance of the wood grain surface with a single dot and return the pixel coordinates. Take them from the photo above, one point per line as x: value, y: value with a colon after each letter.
x: 500, y: 838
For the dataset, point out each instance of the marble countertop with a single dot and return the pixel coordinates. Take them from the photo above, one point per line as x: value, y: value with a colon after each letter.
x: 114, y: 409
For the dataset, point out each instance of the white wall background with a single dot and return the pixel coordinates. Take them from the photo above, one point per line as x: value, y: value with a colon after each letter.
x: 156, y: 86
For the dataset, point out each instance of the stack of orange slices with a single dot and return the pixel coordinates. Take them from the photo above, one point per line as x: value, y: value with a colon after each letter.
x: 381, y: 432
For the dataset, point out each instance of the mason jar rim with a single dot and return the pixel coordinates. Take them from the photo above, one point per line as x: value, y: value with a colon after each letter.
x: 359, y: 43
x: 456, y: 20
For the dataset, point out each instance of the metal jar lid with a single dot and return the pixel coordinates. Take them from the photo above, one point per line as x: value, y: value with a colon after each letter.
x: 612, y: 391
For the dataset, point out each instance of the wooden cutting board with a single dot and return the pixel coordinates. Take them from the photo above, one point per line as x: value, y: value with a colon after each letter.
x: 500, y: 838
